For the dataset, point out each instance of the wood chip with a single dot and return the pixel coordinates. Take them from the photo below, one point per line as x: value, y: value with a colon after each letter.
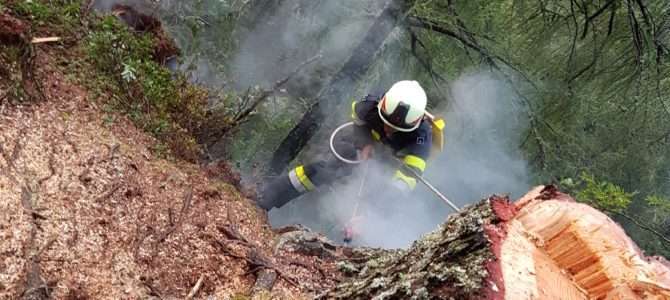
x: 45, y: 40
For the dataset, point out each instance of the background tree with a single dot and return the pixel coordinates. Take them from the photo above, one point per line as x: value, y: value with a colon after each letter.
x: 590, y: 76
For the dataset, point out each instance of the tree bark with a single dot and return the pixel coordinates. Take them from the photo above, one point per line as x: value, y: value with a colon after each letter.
x: 450, y: 263
x: 340, y: 85
x: 544, y: 246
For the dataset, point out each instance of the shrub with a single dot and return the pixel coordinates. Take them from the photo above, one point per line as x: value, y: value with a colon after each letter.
x: 58, y: 14
x: 159, y: 102
x: 602, y: 194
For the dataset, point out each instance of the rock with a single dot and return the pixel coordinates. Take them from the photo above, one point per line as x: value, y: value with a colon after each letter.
x: 302, y: 240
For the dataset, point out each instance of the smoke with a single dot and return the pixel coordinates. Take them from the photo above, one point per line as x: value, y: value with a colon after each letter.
x: 288, y: 33
x: 144, y: 6
x: 484, y: 128
x: 482, y: 134
x: 481, y: 157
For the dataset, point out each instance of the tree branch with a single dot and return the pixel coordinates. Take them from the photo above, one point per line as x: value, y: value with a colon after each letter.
x: 590, y: 18
x: 264, y: 95
x: 640, y: 225
x: 469, y: 42
x: 426, y: 63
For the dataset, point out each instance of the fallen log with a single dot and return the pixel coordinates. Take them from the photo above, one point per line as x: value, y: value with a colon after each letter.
x: 545, y: 246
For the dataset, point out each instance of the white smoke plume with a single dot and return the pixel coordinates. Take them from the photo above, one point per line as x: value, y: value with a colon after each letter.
x: 481, y: 158
x: 482, y: 133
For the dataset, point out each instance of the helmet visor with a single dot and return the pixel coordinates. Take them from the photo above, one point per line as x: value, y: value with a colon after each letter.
x: 396, y: 119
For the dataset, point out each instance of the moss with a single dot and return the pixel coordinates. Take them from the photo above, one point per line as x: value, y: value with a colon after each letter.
x: 450, y: 260
x: 347, y: 268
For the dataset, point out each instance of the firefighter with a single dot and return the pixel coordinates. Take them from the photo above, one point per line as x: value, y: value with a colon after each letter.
x: 396, y: 119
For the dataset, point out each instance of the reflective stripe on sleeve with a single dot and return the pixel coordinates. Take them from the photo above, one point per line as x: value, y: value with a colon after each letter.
x: 415, y: 162
x: 375, y: 135
x: 302, y: 177
x: 354, y: 116
x: 411, y: 182
x: 439, y: 123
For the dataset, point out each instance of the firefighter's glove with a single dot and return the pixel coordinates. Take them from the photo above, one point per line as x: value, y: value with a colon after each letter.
x: 401, y: 186
x: 403, y: 183
x: 366, y: 152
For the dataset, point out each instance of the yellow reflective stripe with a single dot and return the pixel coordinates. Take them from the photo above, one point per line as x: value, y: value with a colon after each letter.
x: 300, y: 172
x: 415, y: 162
x: 354, y: 115
x: 411, y: 182
x: 353, y: 111
x: 376, y: 135
x: 438, y: 136
x: 439, y: 123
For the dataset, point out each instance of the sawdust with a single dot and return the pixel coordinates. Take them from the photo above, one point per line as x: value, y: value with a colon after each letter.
x: 123, y: 223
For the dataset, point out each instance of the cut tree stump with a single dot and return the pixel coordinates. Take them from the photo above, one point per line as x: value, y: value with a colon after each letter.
x: 545, y: 246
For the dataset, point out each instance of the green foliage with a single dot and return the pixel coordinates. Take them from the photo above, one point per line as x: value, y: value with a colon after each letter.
x: 58, y: 14
x: 164, y: 105
x: 206, y: 28
x: 35, y: 10
x: 603, y: 194
x: 659, y: 209
x: 111, y: 46
x: 593, y: 77
x: 660, y: 203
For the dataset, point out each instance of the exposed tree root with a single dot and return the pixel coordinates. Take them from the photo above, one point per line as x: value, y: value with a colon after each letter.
x: 35, y: 286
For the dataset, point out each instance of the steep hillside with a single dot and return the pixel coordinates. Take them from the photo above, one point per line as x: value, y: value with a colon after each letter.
x: 90, y: 210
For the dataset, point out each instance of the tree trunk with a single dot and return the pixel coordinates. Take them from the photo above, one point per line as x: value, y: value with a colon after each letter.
x: 545, y: 246
x: 340, y: 85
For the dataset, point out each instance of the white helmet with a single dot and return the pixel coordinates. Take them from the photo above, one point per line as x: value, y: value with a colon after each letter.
x: 403, y: 106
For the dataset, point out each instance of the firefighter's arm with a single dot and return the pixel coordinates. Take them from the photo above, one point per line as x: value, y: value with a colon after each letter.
x: 362, y: 136
x: 403, y: 178
x: 413, y: 157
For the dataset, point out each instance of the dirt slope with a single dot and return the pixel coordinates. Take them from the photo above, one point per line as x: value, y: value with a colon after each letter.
x: 89, y: 212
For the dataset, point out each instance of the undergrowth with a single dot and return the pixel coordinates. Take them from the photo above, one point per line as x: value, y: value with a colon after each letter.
x: 58, y: 16
x: 118, y: 67
x: 159, y: 102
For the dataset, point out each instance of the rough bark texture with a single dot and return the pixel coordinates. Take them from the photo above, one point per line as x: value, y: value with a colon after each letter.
x: 164, y: 46
x: 12, y: 30
x: 450, y: 262
x: 545, y: 246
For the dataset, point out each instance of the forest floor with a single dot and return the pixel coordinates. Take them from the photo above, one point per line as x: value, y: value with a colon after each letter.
x: 90, y: 211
